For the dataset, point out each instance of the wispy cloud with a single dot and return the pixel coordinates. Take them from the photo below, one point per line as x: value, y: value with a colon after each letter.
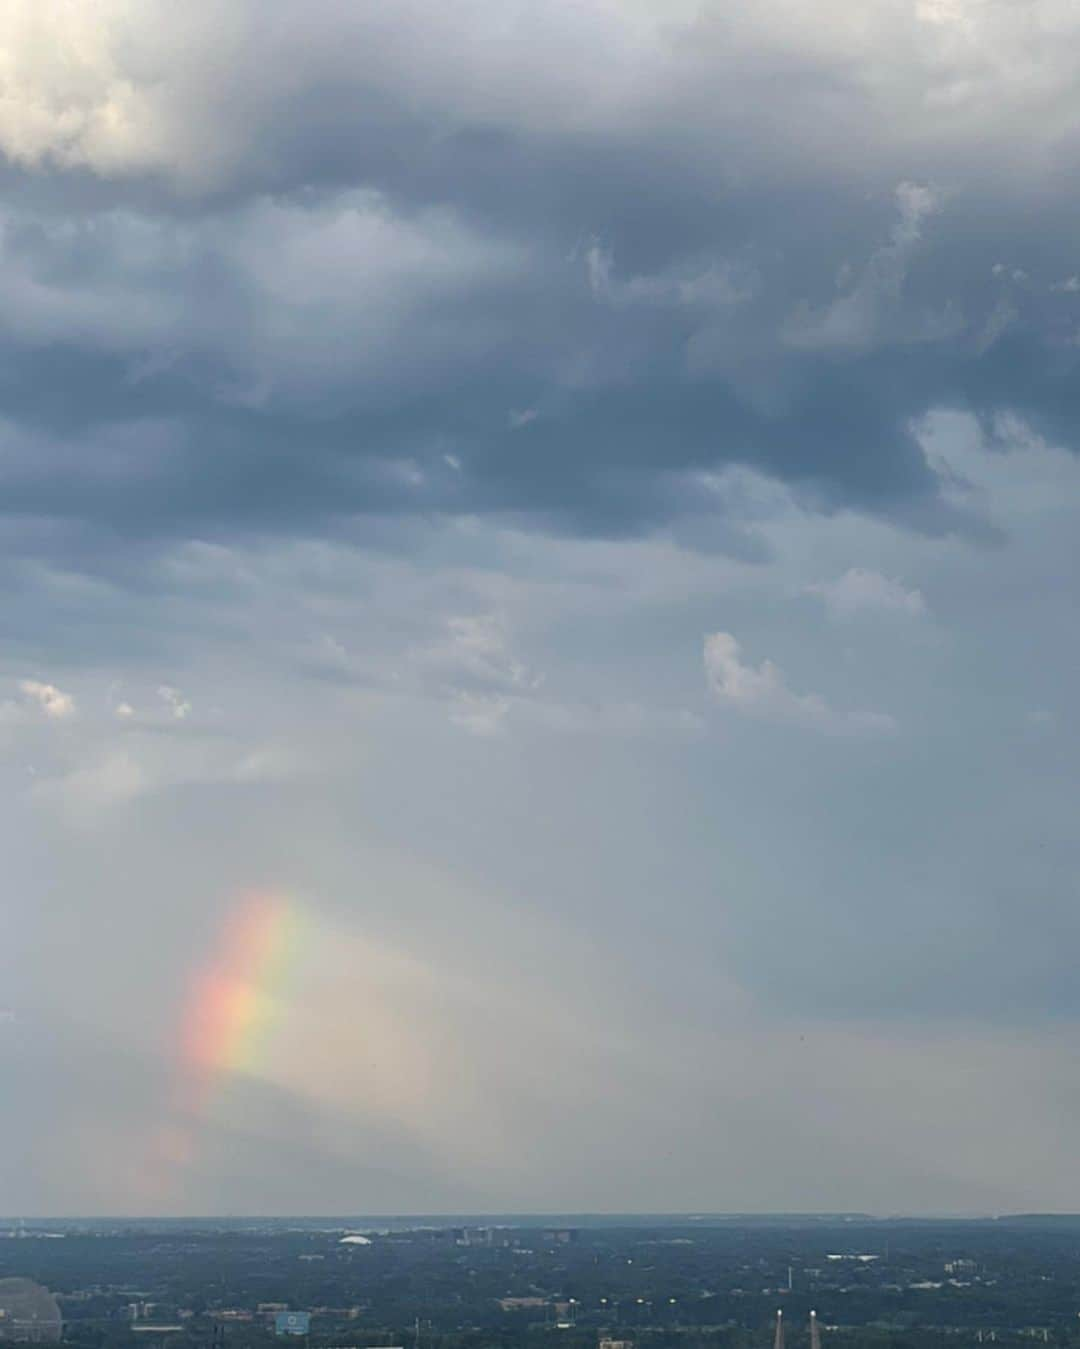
x: 860, y: 590
x: 761, y: 692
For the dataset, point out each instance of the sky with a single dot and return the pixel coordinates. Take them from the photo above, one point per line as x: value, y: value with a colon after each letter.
x: 538, y: 643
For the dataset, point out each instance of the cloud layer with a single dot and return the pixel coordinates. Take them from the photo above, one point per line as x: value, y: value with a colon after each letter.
x: 582, y: 499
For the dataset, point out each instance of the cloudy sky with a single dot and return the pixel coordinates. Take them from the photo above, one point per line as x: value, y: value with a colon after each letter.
x: 539, y: 585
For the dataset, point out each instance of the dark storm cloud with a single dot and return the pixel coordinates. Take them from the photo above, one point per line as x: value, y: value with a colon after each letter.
x: 566, y: 390
x: 382, y: 289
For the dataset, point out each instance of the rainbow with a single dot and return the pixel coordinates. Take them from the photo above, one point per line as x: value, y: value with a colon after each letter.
x: 236, y: 998
x: 234, y: 1002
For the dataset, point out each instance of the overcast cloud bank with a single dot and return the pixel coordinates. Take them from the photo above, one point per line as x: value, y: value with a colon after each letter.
x: 581, y: 500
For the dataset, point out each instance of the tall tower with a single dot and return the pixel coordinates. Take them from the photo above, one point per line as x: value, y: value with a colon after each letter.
x: 815, y: 1333
x: 778, y: 1342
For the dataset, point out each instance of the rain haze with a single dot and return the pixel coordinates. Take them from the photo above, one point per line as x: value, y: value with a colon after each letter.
x: 538, y: 547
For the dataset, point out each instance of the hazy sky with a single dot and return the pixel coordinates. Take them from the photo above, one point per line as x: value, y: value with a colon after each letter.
x: 538, y: 646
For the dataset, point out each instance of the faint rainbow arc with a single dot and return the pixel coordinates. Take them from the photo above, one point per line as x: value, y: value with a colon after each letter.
x: 236, y: 997
x: 235, y: 1001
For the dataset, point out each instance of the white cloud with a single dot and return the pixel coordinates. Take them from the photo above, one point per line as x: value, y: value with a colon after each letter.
x: 475, y: 655
x: 863, y: 591
x: 123, y: 711
x: 66, y: 97
x: 174, y: 700
x: 761, y: 692
x: 53, y: 702
x: 869, y: 311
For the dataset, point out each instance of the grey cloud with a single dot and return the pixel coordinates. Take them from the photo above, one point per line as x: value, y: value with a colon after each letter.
x: 250, y: 392
x: 619, y: 71
x: 329, y: 351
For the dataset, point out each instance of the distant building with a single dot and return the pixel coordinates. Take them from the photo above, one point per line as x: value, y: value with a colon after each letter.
x: 29, y: 1314
x: 292, y: 1323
